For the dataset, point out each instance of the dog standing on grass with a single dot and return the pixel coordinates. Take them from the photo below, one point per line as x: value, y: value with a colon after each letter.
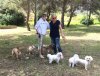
x: 73, y: 60
x: 31, y: 49
x: 86, y: 62
x: 16, y: 53
x: 76, y: 60
x: 56, y: 57
x: 47, y: 49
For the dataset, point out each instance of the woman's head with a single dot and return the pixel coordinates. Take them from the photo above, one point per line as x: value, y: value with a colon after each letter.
x: 53, y: 18
x: 44, y: 16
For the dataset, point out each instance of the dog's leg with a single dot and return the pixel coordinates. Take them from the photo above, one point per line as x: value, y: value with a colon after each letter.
x: 17, y: 56
x: 69, y: 64
x: 57, y: 61
x: 50, y: 61
x: 72, y: 65
x: 85, y: 67
x: 12, y: 53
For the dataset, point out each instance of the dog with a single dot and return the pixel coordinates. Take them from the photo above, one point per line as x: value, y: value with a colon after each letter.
x: 31, y: 49
x: 86, y: 62
x: 46, y: 49
x: 73, y: 60
x: 16, y: 52
x: 49, y: 48
x: 56, y: 57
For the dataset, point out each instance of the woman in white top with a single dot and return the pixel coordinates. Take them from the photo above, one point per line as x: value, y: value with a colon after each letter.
x: 41, y: 27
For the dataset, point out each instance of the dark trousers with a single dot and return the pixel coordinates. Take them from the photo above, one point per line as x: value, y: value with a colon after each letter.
x: 56, y: 44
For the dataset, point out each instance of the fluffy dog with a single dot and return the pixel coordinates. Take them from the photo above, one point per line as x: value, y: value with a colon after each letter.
x: 73, y: 60
x: 86, y: 62
x: 30, y: 49
x: 48, y: 48
x: 56, y: 57
x: 16, y: 52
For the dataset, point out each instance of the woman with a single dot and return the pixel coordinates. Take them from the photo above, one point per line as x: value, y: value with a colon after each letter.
x: 55, y: 25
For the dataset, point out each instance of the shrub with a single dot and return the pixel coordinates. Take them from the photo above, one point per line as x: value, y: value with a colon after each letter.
x: 12, y: 17
x: 86, y: 21
x: 99, y: 18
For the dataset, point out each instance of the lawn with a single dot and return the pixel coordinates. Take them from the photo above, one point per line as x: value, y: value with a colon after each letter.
x: 80, y: 39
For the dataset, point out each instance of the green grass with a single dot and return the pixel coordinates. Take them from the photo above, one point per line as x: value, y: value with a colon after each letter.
x: 80, y: 39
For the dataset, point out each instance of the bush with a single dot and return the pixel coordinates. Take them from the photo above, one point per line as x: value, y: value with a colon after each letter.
x: 99, y: 18
x: 86, y: 21
x: 11, y: 17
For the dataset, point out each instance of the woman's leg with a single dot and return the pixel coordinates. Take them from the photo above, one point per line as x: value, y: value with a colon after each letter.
x: 53, y: 42
x: 40, y: 41
x: 58, y: 47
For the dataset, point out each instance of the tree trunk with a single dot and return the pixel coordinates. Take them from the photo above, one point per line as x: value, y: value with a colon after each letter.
x: 28, y: 14
x: 48, y: 13
x: 70, y: 18
x: 63, y: 12
x: 90, y: 14
x: 35, y: 13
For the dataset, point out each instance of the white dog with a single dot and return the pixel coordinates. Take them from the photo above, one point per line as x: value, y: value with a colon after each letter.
x: 85, y: 61
x: 56, y: 57
x: 73, y: 60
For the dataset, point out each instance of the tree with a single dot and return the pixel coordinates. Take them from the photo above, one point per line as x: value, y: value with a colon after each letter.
x: 28, y: 14
x: 91, y: 6
x: 64, y: 3
x: 73, y: 5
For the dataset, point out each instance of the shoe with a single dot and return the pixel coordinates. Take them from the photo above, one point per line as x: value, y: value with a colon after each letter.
x: 41, y: 56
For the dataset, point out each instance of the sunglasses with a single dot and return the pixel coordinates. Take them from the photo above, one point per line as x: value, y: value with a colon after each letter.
x: 54, y: 18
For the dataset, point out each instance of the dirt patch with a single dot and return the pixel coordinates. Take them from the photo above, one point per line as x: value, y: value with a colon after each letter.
x: 8, y: 27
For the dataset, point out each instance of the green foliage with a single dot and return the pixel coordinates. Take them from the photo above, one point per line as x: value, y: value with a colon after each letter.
x: 87, y: 21
x: 99, y: 18
x: 11, y: 17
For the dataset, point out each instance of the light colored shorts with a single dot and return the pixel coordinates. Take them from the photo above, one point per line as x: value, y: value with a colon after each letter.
x: 40, y: 41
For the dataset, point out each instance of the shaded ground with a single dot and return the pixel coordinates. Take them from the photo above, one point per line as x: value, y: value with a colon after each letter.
x: 81, y: 40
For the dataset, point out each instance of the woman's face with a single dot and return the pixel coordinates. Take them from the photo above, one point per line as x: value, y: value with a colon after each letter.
x: 44, y: 18
x: 54, y: 18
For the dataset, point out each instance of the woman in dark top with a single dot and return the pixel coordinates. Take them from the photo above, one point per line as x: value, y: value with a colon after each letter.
x: 55, y: 33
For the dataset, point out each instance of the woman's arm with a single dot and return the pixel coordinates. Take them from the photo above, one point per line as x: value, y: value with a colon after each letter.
x: 62, y: 34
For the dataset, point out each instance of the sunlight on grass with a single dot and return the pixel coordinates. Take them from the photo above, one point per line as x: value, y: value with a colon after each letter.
x: 18, y: 30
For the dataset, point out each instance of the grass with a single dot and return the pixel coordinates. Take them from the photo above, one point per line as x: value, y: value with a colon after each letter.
x: 80, y: 39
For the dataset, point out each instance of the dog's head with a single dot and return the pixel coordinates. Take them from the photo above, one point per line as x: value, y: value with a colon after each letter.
x: 59, y: 54
x: 88, y: 58
x: 33, y: 47
x: 76, y: 56
x: 48, y: 55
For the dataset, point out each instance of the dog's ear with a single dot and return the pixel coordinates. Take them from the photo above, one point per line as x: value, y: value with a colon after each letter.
x: 86, y: 57
x: 91, y: 58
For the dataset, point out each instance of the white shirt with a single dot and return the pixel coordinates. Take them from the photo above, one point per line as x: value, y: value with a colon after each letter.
x: 42, y: 26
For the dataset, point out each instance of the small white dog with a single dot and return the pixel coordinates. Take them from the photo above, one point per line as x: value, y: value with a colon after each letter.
x: 56, y: 57
x: 73, y: 60
x: 85, y: 61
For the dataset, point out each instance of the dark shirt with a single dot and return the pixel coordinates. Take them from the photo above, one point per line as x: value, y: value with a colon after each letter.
x: 54, y: 29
